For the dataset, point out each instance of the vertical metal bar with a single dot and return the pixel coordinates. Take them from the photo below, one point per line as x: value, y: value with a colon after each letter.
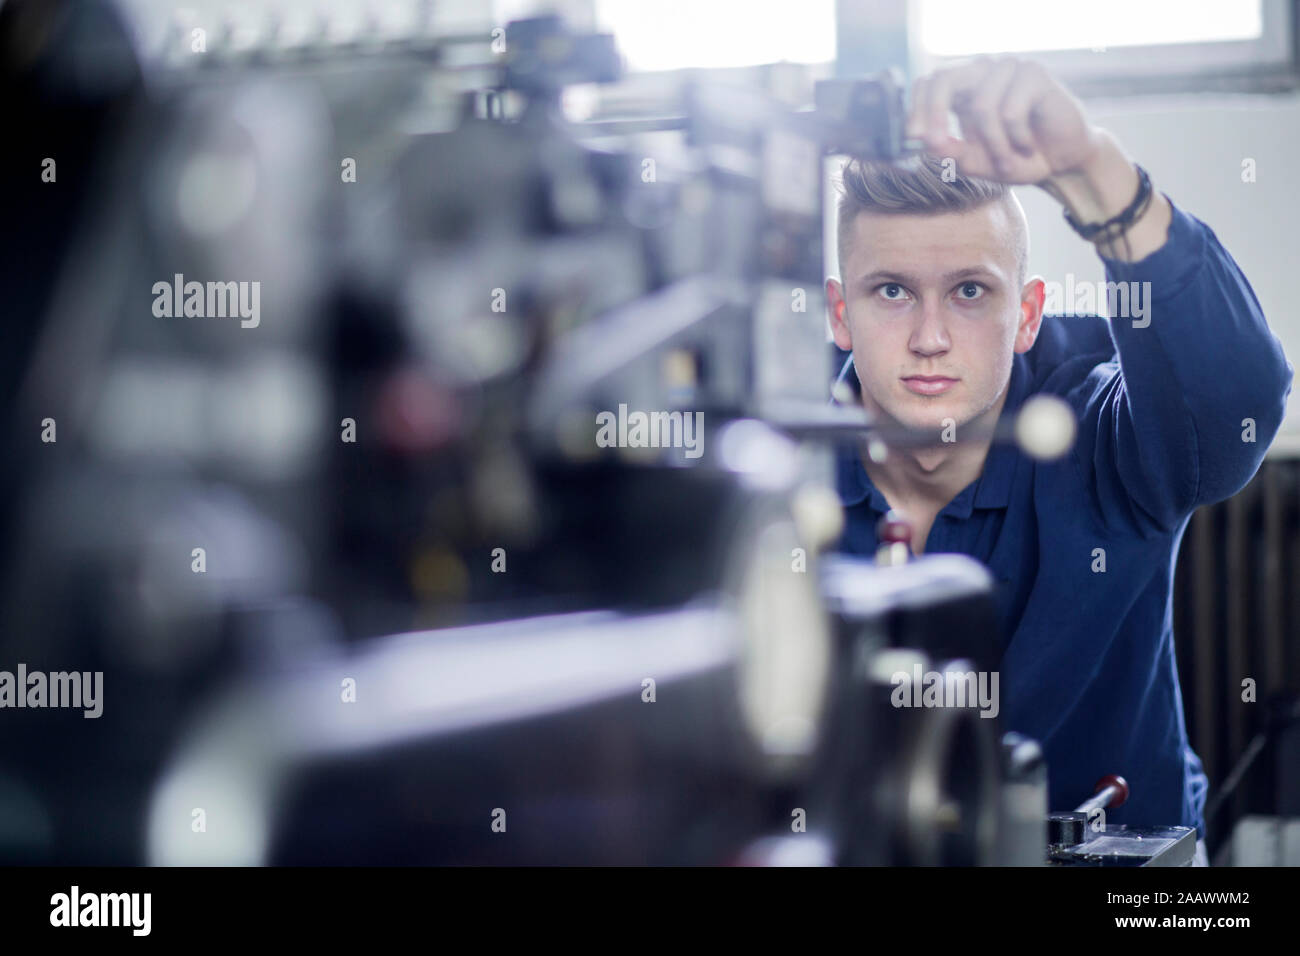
x: 870, y: 37
x: 1237, y: 586
x: 1274, y: 656
x: 1203, y: 631
x: 1291, y: 575
x: 1184, y: 642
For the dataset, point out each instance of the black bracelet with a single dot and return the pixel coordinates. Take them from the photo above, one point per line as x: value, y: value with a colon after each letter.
x: 1112, y: 229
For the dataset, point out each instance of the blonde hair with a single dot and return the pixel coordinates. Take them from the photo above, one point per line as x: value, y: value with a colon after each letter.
x: 918, y: 186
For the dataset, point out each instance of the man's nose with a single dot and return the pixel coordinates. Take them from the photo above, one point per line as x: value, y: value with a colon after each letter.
x: 930, y: 336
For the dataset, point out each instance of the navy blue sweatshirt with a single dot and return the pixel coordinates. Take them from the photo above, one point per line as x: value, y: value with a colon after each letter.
x: 1088, y: 663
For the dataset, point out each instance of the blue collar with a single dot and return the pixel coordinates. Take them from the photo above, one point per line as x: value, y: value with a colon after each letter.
x: 991, y: 490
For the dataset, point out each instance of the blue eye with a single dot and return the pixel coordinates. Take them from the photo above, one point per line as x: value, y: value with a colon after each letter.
x: 885, y: 289
x: 974, y: 288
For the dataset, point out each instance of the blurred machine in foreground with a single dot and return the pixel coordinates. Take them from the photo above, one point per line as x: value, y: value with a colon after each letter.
x: 328, y: 318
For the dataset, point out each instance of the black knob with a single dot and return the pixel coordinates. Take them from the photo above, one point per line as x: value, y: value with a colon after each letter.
x: 1067, y: 828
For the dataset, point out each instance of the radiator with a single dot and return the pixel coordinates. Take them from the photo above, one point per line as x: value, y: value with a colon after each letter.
x: 1237, y: 616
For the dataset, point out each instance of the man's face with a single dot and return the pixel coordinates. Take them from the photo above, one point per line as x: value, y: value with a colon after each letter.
x: 933, y: 295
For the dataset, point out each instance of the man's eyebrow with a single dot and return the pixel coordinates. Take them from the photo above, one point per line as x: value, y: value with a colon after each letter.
x: 967, y: 272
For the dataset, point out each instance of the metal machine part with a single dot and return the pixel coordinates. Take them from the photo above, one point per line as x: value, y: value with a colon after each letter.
x: 1128, y: 846
x: 1023, y: 833
x: 1082, y: 836
x: 455, y: 282
x: 913, y: 784
x: 544, y: 718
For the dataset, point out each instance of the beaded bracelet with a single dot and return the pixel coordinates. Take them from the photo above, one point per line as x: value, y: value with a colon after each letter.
x: 1112, y: 229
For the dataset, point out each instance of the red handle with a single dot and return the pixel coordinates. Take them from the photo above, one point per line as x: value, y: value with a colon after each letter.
x: 1121, y: 789
x: 893, y: 527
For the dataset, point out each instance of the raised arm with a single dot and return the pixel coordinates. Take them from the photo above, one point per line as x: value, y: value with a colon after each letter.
x: 1184, y: 415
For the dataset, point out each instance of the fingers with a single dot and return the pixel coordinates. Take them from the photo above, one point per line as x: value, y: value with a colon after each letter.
x: 939, y: 93
x: 1030, y: 86
x: 994, y: 99
x: 980, y: 112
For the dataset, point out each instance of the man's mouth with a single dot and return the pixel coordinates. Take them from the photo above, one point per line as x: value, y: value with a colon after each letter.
x: 929, y: 384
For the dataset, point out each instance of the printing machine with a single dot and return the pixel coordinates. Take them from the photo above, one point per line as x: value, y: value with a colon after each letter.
x: 362, y: 583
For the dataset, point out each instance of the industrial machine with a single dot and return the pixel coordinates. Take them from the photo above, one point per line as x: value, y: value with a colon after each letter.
x: 439, y: 479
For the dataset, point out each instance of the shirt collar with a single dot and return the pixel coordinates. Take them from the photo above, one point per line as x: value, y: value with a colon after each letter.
x: 991, y: 490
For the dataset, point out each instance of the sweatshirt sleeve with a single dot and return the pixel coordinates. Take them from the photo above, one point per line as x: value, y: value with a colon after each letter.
x: 1183, y: 414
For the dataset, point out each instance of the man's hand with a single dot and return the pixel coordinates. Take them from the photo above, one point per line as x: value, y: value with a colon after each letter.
x: 1019, y: 125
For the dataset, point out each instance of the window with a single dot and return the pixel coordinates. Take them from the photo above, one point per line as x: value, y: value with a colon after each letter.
x: 1119, y: 46
x: 714, y: 34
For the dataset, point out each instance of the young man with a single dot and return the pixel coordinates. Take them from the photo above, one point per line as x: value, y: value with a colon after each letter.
x: 1178, y: 396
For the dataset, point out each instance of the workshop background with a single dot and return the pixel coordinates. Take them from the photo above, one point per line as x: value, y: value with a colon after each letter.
x: 1205, y: 95
x: 1217, y: 97
x: 326, y: 564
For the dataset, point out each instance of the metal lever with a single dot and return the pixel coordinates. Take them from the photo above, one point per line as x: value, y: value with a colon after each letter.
x: 1112, y: 791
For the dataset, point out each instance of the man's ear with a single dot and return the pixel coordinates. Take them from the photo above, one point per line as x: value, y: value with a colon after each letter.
x: 839, y: 323
x: 1032, y: 297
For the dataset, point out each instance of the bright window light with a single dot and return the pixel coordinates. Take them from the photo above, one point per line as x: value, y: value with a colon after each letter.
x: 962, y: 28
x: 673, y: 34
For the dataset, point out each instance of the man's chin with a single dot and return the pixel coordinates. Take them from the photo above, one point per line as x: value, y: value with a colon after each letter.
x: 933, y: 422
x: 925, y: 416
